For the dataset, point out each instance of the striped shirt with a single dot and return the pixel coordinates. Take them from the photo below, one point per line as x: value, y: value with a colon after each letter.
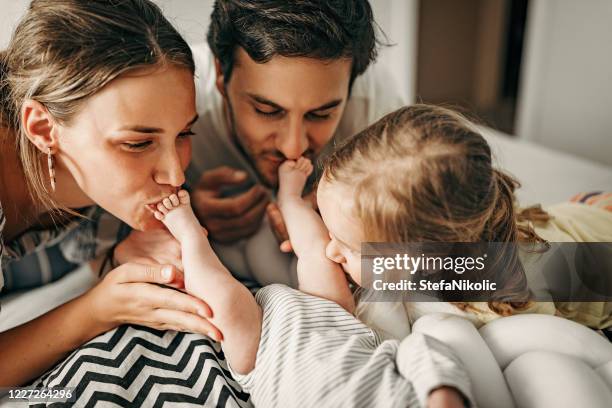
x: 38, y: 257
x: 312, y: 353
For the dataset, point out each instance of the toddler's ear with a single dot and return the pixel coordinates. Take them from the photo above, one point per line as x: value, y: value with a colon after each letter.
x: 40, y: 127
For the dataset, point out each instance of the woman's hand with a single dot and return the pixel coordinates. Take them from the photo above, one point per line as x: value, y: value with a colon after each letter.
x: 151, y: 247
x: 445, y: 397
x: 132, y: 293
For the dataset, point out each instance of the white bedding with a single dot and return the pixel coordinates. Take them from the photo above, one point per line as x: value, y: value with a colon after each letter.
x: 547, y: 177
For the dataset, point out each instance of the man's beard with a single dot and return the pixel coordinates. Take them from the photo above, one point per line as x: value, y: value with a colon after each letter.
x: 248, y: 155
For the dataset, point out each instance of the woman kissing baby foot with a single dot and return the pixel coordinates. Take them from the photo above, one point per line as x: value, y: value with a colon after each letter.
x: 177, y: 215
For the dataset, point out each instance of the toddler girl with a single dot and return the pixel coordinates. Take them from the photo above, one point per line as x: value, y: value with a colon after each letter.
x: 420, y: 174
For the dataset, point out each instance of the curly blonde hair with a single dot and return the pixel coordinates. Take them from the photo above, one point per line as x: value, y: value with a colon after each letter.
x: 424, y: 174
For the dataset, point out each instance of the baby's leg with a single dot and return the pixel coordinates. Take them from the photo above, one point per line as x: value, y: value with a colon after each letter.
x: 236, y: 313
x: 177, y: 215
x: 305, y: 228
x: 317, y: 275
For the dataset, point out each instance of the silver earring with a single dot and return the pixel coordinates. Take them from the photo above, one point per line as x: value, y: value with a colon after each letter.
x: 51, y: 165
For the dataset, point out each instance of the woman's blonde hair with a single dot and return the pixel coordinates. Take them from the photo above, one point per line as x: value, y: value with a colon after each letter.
x: 424, y: 174
x: 64, y: 51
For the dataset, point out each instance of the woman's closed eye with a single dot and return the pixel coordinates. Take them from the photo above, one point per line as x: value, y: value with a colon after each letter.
x: 143, y: 145
x: 186, y: 134
x: 136, y: 146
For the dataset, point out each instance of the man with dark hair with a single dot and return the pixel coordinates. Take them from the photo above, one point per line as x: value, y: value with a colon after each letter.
x: 278, y: 80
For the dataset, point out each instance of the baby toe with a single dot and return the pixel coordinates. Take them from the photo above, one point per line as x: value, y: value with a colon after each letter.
x: 309, y: 168
x: 183, y: 196
x: 162, y: 208
x: 174, y: 200
x: 167, y: 203
x: 158, y: 215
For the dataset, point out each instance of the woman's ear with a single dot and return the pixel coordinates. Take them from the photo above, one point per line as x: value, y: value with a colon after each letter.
x: 38, y: 125
x: 220, y: 78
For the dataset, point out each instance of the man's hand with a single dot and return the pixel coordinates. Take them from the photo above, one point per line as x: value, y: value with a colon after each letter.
x: 228, y: 219
x: 277, y: 223
x: 445, y: 397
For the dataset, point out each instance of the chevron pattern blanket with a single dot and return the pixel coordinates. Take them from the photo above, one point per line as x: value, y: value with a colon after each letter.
x: 134, y: 366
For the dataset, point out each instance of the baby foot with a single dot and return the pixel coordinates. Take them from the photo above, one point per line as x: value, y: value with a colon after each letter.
x: 292, y: 176
x: 176, y: 214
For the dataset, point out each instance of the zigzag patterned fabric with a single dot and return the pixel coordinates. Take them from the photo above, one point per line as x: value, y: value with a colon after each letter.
x: 134, y: 366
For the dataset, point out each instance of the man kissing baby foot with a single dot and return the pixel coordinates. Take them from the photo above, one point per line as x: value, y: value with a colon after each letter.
x: 292, y: 176
x: 177, y: 215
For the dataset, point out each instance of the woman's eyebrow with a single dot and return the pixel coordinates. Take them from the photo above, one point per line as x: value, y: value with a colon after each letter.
x: 148, y: 129
x: 142, y: 129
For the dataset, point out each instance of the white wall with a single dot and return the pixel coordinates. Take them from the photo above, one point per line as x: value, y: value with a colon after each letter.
x: 399, y: 20
x: 566, y: 90
x: 190, y: 16
x: 10, y: 12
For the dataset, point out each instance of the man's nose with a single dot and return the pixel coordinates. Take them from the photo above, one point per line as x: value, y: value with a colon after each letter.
x: 169, y: 170
x: 293, y: 140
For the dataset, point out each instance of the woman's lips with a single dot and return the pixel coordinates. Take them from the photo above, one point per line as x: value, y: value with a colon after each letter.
x: 156, y: 201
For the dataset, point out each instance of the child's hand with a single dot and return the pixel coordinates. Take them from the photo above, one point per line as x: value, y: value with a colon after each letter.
x: 445, y: 397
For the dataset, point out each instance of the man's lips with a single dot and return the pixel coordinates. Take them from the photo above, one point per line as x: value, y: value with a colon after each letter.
x: 274, y: 159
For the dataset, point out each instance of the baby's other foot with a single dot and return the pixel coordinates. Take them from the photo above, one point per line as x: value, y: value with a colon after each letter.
x: 176, y: 214
x: 292, y: 176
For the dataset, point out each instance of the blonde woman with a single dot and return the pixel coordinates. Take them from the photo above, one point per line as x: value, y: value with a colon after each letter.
x: 97, y: 100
